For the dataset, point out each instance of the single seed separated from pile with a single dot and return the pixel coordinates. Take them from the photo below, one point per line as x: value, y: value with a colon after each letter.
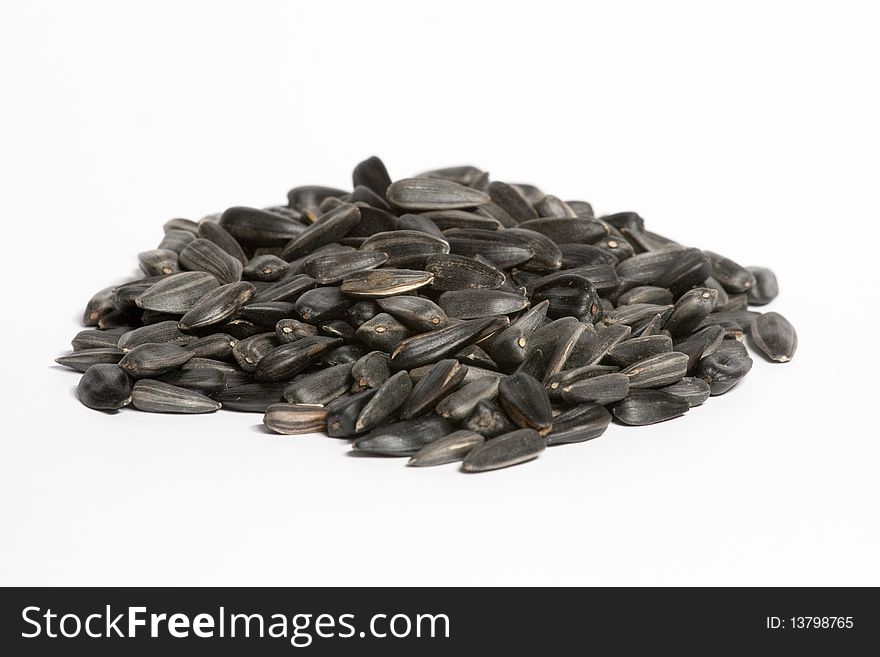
x: 446, y: 317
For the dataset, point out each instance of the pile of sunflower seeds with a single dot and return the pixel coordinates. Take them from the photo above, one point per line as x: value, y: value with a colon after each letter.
x: 444, y: 317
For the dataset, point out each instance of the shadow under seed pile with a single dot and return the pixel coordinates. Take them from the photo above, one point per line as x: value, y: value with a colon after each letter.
x: 442, y: 317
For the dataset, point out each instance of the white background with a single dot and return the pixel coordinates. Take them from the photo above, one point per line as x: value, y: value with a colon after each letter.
x: 750, y: 129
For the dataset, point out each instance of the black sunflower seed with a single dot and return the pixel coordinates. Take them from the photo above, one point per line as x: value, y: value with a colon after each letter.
x: 204, y: 255
x: 104, y: 387
x: 283, y: 362
x: 404, y: 438
x: 158, y: 397
x: 526, y: 402
x: 579, y: 424
x: 441, y: 379
x: 389, y: 397
x: 508, y: 449
x: 291, y: 419
x: 775, y: 337
x: 643, y: 407
x: 448, y: 449
x: 433, y: 194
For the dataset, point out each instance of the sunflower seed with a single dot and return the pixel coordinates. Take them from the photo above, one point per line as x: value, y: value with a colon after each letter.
x: 603, y: 389
x: 556, y: 382
x: 293, y: 419
x: 526, y: 402
x: 581, y: 255
x: 385, y: 282
x: 83, y: 359
x: 332, y: 268
x: 186, y: 225
x: 159, y: 397
x: 723, y: 370
x: 346, y: 353
x: 567, y: 230
x: 447, y: 219
x: 657, y: 371
x: 477, y: 303
x: 252, y: 227
x: 104, y: 387
x: 177, y: 293
x: 735, y: 278
x: 149, y: 360
x: 405, y: 248
x: 488, y: 419
x: 691, y: 309
x: 286, y: 289
x: 463, y: 175
x: 206, y: 381
x: 508, y: 449
x: 307, y: 198
x: 646, y: 294
x: 329, y: 227
x: 512, y: 201
x: 321, y: 303
x: 218, y: 305
x: 579, y: 424
x: 250, y: 351
x: 458, y: 272
x: 430, y: 347
x: 158, y: 262
x: 765, y: 288
x: 214, y: 232
x: 700, y: 343
x: 500, y: 249
x: 389, y: 397
x: 320, y: 387
x: 251, y: 397
x: 627, y: 353
x: 371, y: 173
x: 404, y: 438
x: 643, y: 407
x: 291, y: 330
x: 176, y: 240
x: 461, y: 403
x: 166, y: 331
x: 553, y: 206
x: 342, y: 413
x: 383, y: 332
x: 570, y: 295
x: 204, y: 255
x: 370, y: 371
x: 440, y: 380
x: 693, y: 390
x: 266, y: 313
x: 95, y: 339
x: 419, y: 223
x: 264, y: 268
x: 448, y: 449
x: 775, y: 337
x: 433, y: 194
x: 283, y: 362
x: 361, y: 312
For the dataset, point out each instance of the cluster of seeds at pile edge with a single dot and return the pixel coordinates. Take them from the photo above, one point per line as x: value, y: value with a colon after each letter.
x: 443, y: 317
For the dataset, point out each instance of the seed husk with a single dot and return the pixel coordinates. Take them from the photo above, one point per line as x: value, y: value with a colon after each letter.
x: 150, y: 360
x: 646, y: 294
x: 214, y: 232
x: 83, y: 359
x: 307, y: 198
x: 384, y: 282
x: 449, y: 449
x: 503, y: 251
x: 508, y: 449
x: 291, y: 330
x: 657, y: 371
x: 389, y: 397
x: 95, y: 339
x: 603, y: 389
x: 266, y: 313
x: 178, y: 293
x: 218, y: 305
x: 283, y: 362
x: 417, y: 313
x: 578, y: 424
x: 693, y: 390
x: 644, y: 407
x: 166, y: 331
x: 440, y: 380
x: 176, y: 240
x: 775, y: 337
x: 404, y: 438
x: 104, y: 387
x: 346, y: 353
x: 511, y: 200
x: 699, y: 343
x: 372, y: 174
x: 629, y: 352
x: 158, y: 397
x: 420, y: 223
x: 526, y: 402
x: 292, y: 419
x: 554, y: 383
x: 286, y: 289
x: 433, y: 194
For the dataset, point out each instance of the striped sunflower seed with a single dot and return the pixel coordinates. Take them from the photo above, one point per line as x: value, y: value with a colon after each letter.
x: 158, y: 397
x: 643, y: 407
x: 293, y: 419
x: 508, y: 449
x: 775, y: 337
x: 448, y: 449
